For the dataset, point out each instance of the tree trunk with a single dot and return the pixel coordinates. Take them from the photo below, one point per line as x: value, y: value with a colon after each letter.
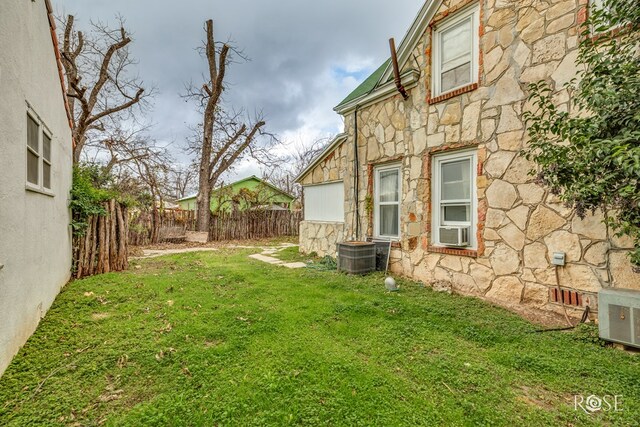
x: 203, y: 206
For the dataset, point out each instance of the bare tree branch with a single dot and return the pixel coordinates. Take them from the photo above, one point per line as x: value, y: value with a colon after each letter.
x: 97, y: 68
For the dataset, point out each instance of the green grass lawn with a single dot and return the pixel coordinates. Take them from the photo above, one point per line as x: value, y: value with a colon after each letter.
x: 219, y: 339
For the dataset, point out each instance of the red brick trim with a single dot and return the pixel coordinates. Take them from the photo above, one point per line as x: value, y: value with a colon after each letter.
x: 615, y: 32
x: 482, y: 206
x: 370, y: 167
x: 452, y: 251
x: 394, y: 159
x: 583, y: 15
x: 583, y: 12
x: 453, y: 93
x: 433, y: 25
x: 56, y: 50
x: 443, y: 15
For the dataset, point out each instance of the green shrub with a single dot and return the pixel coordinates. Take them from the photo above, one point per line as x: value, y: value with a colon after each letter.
x: 86, y: 199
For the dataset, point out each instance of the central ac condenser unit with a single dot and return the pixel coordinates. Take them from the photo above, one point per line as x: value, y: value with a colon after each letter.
x: 619, y: 316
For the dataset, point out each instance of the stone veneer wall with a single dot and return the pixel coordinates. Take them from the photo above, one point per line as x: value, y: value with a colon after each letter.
x: 322, y: 237
x: 520, y: 224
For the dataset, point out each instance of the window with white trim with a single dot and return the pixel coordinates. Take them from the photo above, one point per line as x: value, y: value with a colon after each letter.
x: 456, y: 52
x: 39, y: 149
x: 387, y: 193
x: 324, y: 202
x: 454, y: 196
x: 602, y: 7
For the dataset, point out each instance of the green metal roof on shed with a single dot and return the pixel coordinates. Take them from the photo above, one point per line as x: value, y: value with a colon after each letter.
x: 366, y: 86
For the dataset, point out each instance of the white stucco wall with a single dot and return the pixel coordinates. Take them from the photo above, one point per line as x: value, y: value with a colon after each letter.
x: 35, y: 238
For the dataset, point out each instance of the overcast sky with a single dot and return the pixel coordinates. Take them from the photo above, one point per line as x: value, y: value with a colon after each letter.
x: 305, y: 55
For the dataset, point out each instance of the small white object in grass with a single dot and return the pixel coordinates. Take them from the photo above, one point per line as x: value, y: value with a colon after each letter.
x: 390, y: 284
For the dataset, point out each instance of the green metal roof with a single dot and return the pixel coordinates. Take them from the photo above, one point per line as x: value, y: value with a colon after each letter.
x: 366, y: 86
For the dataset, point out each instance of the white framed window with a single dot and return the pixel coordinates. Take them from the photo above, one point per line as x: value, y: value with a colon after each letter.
x: 456, y: 52
x: 454, y: 197
x: 39, y: 152
x: 604, y: 7
x: 324, y: 202
x: 387, y: 187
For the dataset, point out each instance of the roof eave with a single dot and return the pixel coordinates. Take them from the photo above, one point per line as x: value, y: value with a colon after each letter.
x: 339, y: 139
x: 420, y: 23
x: 409, y: 80
x: 58, y: 55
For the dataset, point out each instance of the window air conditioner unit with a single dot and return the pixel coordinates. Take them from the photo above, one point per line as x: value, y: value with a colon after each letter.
x: 454, y: 236
x: 619, y: 316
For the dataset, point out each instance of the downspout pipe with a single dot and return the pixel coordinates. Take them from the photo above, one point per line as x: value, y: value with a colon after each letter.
x: 356, y: 174
x: 396, y: 69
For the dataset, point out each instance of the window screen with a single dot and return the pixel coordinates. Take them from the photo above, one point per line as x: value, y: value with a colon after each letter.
x: 33, y: 157
x: 46, y: 161
x: 387, y: 200
x: 456, y: 53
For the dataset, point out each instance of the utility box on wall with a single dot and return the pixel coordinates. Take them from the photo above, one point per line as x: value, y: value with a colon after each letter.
x: 619, y: 316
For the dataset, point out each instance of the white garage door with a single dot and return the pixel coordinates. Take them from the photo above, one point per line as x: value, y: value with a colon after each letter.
x: 324, y: 202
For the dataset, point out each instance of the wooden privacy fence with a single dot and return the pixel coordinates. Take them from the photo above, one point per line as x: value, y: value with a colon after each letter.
x: 171, y: 225
x: 257, y: 224
x: 103, y: 246
x: 148, y: 227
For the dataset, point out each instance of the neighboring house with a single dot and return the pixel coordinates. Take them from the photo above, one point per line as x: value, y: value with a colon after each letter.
x: 248, y: 193
x: 35, y: 172
x: 441, y: 174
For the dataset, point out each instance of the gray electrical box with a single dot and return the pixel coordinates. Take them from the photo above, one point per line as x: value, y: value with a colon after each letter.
x: 558, y: 258
x: 619, y: 316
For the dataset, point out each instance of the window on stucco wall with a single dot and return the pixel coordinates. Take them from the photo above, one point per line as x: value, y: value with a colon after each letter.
x: 454, y: 198
x: 456, y: 52
x: 38, y: 155
x: 387, y: 193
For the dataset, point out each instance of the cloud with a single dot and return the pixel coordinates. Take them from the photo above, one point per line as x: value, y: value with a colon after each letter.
x: 305, y: 55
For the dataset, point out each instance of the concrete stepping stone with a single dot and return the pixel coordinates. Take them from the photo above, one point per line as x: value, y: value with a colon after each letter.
x: 266, y: 252
x: 267, y: 259
x: 295, y: 265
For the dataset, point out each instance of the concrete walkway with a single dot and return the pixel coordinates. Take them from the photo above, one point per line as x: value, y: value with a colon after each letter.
x: 154, y: 253
x: 265, y: 256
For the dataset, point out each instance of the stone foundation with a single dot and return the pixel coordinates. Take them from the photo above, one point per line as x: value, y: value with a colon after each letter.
x: 321, y: 237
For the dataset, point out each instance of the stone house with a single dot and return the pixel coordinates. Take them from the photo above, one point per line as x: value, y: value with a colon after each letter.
x: 35, y: 171
x: 441, y: 174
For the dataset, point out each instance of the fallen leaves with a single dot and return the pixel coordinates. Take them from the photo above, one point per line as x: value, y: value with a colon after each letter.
x: 162, y: 353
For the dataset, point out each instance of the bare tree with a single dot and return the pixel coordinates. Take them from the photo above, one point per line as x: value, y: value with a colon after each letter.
x: 182, y: 180
x: 287, y: 168
x: 225, y: 138
x: 101, y: 89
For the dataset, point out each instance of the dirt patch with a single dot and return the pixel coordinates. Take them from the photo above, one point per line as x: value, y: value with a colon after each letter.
x: 100, y: 316
x: 541, y: 397
x: 135, y: 251
x: 539, y: 317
